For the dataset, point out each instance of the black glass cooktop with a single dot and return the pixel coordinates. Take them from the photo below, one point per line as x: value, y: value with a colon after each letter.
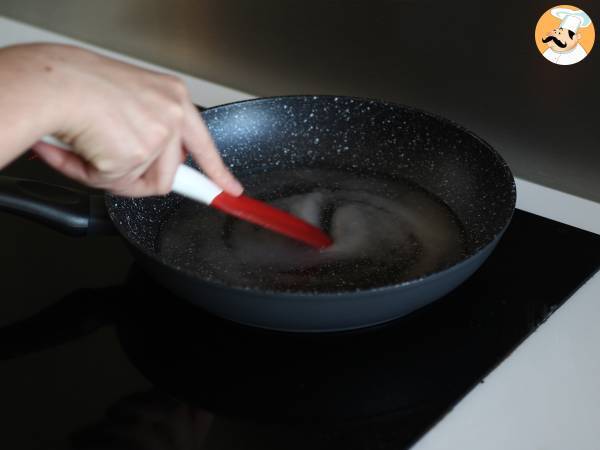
x: 116, y: 362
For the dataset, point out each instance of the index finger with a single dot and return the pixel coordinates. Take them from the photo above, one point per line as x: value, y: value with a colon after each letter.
x: 198, y: 142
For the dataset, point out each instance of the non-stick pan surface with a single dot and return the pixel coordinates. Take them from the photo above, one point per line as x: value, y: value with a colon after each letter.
x: 365, y: 138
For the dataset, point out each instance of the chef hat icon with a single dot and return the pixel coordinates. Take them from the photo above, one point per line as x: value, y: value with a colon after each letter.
x: 571, y: 19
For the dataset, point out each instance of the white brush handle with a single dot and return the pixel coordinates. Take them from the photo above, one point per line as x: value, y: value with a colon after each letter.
x: 192, y: 184
x: 188, y: 182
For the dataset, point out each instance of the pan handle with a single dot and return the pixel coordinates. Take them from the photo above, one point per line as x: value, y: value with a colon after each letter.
x: 69, y: 211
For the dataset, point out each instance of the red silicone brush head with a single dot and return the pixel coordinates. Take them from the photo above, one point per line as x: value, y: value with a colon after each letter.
x: 266, y: 216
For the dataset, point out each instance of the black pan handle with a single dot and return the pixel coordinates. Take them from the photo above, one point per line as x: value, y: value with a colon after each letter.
x: 69, y: 211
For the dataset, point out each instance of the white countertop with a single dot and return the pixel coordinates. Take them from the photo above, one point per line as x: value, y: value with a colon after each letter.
x: 546, y: 394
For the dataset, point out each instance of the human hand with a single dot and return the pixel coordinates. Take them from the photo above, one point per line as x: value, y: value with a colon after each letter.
x: 129, y: 128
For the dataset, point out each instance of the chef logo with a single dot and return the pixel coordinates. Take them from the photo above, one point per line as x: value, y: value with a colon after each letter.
x: 564, y: 35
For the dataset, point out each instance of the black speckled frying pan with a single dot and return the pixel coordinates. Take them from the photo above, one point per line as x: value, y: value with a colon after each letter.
x: 357, y: 137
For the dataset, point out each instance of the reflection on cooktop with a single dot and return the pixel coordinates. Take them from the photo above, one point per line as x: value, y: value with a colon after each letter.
x: 381, y: 387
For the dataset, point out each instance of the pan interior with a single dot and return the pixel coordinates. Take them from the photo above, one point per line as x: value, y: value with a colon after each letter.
x: 385, y: 232
x: 430, y: 193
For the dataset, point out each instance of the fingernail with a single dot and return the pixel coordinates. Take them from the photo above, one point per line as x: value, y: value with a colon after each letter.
x: 234, y: 187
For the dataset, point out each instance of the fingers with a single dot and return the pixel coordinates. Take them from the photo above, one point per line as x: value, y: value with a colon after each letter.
x: 152, y: 176
x: 198, y: 142
x: 161, y: 174
x: 158, y: 178
x: 63, y: 161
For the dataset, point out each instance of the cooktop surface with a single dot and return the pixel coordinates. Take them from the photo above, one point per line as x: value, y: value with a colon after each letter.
x: 115, y: 361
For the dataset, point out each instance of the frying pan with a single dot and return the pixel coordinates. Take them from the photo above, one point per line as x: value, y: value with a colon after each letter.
x: 380, y: 140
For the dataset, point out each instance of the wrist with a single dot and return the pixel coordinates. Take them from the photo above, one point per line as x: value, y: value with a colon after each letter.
x: 42, y: 93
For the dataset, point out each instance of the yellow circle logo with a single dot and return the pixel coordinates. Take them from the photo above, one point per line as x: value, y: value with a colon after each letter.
x: 565, y: 35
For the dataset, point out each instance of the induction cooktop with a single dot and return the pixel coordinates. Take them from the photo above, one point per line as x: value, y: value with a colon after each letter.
x: 113, y: 360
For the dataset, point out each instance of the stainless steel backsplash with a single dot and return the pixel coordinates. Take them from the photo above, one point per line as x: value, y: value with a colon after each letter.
x: 474, y: 62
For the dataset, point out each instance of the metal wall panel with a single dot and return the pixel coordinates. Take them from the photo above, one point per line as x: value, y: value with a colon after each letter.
x: 474, y: 62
